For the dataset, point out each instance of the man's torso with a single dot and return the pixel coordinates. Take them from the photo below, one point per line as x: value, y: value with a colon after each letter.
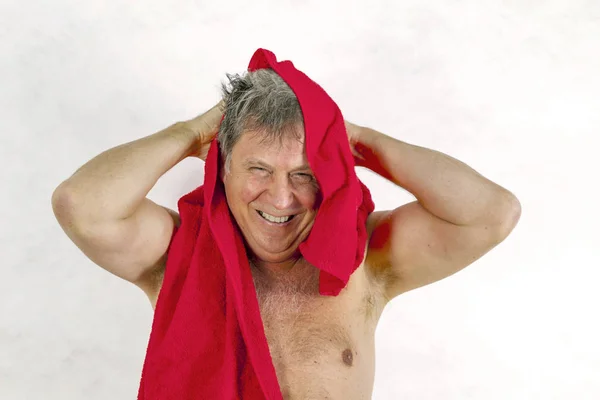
x: 321, y: 346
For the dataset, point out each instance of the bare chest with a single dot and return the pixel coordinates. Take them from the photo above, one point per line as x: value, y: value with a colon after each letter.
x: 321, y: 346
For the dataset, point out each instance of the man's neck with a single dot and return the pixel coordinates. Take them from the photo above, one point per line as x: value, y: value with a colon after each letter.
x: 276, y: 270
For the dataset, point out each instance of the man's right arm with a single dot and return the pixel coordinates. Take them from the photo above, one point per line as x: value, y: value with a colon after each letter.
x: 103, y: 207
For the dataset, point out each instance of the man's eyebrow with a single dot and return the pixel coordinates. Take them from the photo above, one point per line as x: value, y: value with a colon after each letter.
x: 254, y: 161
x: 304, y: 167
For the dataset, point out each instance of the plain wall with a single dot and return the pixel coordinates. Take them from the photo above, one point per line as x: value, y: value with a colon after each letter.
x: 509, y: 87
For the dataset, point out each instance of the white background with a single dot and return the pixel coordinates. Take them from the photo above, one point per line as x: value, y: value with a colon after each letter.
x: 512, y: 88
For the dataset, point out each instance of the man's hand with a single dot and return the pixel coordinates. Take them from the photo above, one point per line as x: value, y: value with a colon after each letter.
x: 205, y: 127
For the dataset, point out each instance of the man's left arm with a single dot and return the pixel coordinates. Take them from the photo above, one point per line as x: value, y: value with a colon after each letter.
x: 459, y: 215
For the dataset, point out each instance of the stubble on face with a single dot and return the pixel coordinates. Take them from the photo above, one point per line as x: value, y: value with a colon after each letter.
x: 272, y: 178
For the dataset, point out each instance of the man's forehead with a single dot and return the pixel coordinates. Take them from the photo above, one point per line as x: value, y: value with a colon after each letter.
x: 289, y: 139
x: 297, y: 133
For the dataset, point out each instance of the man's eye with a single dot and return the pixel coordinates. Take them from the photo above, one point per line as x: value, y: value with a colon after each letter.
x: 259, y: 170
x: 306, y: 177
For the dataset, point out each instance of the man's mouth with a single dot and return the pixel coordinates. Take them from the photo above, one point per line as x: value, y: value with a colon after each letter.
x: 274, y: 219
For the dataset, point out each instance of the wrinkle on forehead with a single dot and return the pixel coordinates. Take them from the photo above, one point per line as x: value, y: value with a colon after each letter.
x: 268, y: 137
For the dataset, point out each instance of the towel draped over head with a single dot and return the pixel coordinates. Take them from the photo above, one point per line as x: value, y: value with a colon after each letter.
x: 207, y: 339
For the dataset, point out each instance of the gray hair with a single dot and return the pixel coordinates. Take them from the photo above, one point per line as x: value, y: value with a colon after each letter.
x: 258, y: 101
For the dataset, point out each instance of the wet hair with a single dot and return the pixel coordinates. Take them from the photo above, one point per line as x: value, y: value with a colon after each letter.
x: 259, y: 101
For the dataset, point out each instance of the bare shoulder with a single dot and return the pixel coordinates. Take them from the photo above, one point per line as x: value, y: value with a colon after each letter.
x: 410, y: 247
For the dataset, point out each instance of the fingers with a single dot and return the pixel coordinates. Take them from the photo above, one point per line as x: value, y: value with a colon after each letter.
x: 207, y: 124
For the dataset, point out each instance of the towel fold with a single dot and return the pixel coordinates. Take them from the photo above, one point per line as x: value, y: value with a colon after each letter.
x: 207, y: 339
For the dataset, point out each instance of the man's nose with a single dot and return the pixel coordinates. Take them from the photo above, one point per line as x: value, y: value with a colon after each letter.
x: 282, y: 196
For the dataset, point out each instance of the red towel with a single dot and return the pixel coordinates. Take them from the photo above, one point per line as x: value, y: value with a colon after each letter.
x: 207, y: 339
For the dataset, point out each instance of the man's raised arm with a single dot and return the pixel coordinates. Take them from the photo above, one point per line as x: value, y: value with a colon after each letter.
x: 103, y: 207
x: 459, y: 215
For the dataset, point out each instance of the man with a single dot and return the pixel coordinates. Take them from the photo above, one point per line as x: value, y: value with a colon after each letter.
x: 321, y: 346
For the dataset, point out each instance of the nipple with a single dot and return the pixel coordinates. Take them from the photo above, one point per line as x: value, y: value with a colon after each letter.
x: 347, y: 357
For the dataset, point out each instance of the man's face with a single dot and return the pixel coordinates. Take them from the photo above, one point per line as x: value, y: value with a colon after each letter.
x: 266, y: 180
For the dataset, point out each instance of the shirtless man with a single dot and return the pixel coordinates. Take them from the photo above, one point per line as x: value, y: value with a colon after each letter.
x: 322, y: 347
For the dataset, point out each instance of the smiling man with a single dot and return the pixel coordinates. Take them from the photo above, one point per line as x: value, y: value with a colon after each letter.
x: 321, y: 346
x: 272, y: 194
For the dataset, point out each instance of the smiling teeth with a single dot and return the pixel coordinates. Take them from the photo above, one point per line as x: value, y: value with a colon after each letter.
x: 271, y: 218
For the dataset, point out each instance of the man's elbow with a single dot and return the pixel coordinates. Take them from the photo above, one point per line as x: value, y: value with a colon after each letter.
x: 62, y: 202
x: 508, y: 216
